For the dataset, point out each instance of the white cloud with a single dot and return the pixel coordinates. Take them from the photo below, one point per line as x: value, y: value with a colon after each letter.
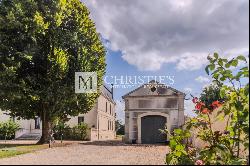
x: 191, y: 62
x: 153, y: 33
x: 202, y: 79
x: 188, y: 90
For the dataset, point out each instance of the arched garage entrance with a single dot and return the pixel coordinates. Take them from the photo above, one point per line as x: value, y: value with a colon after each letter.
x: 148, y: 128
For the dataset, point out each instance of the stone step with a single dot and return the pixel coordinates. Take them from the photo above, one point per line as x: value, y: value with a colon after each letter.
x: 29, y: 136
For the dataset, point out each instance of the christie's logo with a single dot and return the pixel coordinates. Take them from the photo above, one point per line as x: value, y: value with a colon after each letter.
x: 85, y: 82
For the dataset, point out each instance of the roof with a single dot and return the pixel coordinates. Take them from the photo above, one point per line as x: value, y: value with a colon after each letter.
x: 107, y: 93
x: 161, y: 88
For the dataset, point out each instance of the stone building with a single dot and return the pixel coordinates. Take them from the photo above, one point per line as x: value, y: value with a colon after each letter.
x: 101, y: 120
x: 151, y: 107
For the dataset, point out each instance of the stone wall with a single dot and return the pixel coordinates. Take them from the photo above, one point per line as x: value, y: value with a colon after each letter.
x: 133, y: 112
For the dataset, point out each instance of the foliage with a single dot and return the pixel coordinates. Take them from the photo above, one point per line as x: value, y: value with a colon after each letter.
x: 232, y: 105
x: 78, y: 132
x: 120, y: 127
x: 237, y: 104
x: 8, y: 129
x: 178, y: 153
x: 210, y: 94
x: 42, y: 45
x: 60, y: 128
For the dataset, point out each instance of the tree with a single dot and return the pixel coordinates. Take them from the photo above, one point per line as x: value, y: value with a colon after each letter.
x: 120, y: 127
x: 42, y: 44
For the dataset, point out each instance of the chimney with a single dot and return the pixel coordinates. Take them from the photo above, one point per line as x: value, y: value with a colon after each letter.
x: 112, y: 90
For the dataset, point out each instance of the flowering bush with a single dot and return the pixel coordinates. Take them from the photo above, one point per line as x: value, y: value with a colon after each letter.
x: 223, y: 146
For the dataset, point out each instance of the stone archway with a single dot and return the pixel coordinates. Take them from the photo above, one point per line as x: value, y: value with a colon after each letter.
x: 151, y: 117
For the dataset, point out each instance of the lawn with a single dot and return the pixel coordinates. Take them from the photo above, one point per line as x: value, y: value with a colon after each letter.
x: 9, y: 150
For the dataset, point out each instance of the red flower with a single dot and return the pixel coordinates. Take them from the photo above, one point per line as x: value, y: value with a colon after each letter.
x: 216, y: 104
x: 199, y: 162
x: 195, y: 99
x: 199, y: 106
x: 205, y: 111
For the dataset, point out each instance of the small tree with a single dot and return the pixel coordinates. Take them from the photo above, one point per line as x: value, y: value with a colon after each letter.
x: 8, y: 129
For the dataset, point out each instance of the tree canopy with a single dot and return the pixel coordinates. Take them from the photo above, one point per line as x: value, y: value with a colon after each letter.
x: 42, y: 44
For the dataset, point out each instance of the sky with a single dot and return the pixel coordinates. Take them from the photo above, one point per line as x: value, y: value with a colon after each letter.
x: 169, y: 38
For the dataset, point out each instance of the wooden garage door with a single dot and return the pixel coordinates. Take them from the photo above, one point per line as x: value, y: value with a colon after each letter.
x: 150, y: 126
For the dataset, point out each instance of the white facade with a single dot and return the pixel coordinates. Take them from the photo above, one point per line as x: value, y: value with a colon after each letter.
x: 101, y: 119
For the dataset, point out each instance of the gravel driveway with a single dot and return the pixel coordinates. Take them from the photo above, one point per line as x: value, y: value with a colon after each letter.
x: 109, y: 152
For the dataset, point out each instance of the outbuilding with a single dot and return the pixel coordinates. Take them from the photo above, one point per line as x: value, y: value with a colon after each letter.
x: 150, y: 108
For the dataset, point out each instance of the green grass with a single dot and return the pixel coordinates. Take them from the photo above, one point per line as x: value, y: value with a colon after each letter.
x: 10, y: 150
x: 5, y: 154
x: 119, y: 136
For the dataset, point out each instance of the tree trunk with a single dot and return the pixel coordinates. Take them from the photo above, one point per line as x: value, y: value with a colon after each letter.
x: 46, y: 129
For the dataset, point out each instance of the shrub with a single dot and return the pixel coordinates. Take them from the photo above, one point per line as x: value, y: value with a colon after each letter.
x: 8, y: 129
x: 78, y: 132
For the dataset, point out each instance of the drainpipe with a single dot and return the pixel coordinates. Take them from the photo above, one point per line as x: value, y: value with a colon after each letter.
x: 98, y: 127
x: 98, y: 116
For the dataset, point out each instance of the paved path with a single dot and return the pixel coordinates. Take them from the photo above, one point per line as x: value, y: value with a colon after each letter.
x: 111, y: 152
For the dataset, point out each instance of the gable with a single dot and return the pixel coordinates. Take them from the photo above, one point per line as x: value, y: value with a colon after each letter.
x: 153, y: 89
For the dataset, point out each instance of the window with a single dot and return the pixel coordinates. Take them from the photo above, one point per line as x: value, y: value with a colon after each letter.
x: 110, y: 109
x: 112, y: 124
x: 37, y: 123
x: 106, y: 107
x: 80, y: 120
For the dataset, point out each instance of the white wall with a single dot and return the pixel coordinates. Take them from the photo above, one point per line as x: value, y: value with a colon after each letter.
x: 3, y: 117
x: 89, y: 118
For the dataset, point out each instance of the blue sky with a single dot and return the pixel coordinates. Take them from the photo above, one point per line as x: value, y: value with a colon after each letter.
x: 169, y: 38
x: 184, y: 81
